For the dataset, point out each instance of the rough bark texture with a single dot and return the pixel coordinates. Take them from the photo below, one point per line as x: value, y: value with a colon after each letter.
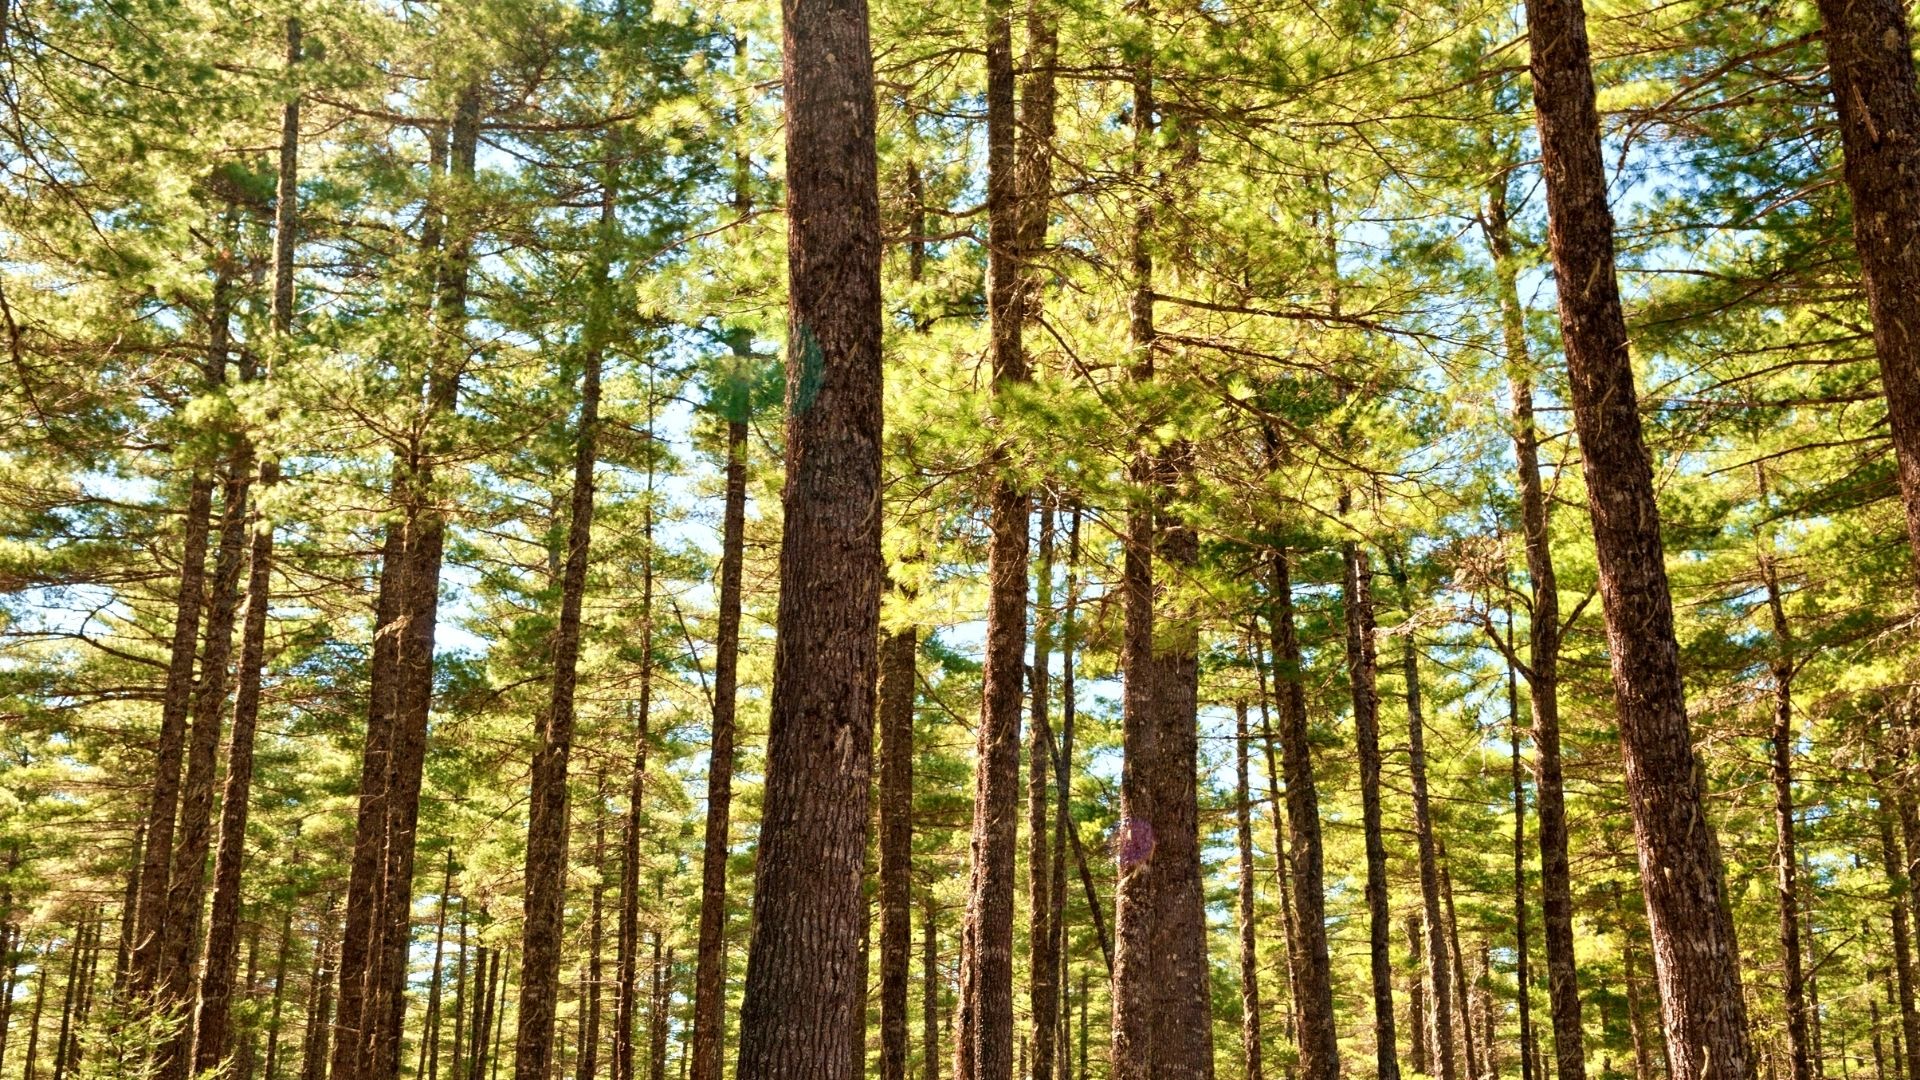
x: 1543, y: 655
x: 1786, y: 868
x: 1063, y: 788
x: 897, y: 656
x: 929, y: 987
x: 220, y: 962
x: 1897, y: 886
x: 709, y: 983
x: 803, y: 1008
x: 626, y: 1002
x: 984, y: 1034
x: 1162, y: 1007
x: 1313, y: 979
x: 1362, y: 677
x: 1522, y: 942
x: 1694, y: 947
x: 1870, y: 66
x: 1434, y: 942
x: 1249, y: 933
x: 547, y: 824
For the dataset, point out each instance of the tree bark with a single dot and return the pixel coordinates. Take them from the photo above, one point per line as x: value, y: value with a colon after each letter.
x: 1695, y: 953
x: 1898, y: 884
x: 1043, y: 983
x: 1249, y: 934
x: 1313, y: 979
x: 587, y: 1065
x: 709, y: 985
x: 929, y: 986
x: 547, y: 823
x: 313, y: 1057
x: 1063, y: 781
x: 626, y: 1010
x: 1461, y: 995
x: 1871, y: 71
x: 657, y: 1018
x: 802, y: 1009
x: 1440, y: 1019
x: 1522, y: 943
x: 1543, y: 654
x: 1362, y: 677
x: 897, y: 658
x: 1786, y: 868
x: 1417, y: 1018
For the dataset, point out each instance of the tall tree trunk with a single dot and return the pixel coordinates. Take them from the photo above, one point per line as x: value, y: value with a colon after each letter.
x: 313, y: 1056
x: 1461, y: 997
x: 929, y: 987
x: 276, y: 1009
x: 626, y: 1010
x: 76, y: 961
x: 547, y: 823
x: 1417, y: 1018
x: 428, y: 1060
x: 1043, y: 1002
x: 33, y: 1017
x: 897, y: 657
x: 1786, y: 867
x: 1636, y: 1024
x: 1249, y: 934
x: 1063, y: 780
x: 984, y: 1035
x: 709, y: 981
x: 1162, y: 1008
x: 1362, y: 676
x: 1522, y: 943
x: 1898, y: 884
x: 658, y: 1020
x: 1695, y: 953
x: 1439, y: 968
x: 1276, y: 809
x: 1543, y: 653
x: 163, y: 802
x: 587, y: 1066
x: 1313, y: 978
x: 1870, y: 67
x: 802, y: 1009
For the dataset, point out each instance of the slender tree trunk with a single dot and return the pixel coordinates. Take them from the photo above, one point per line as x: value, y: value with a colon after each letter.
x: 1461, y: 997
x: 276, y: 1008
x: 658, y: 1019
x: 313, y: 1058
x: 709, y: 982
x: 1780, y: 772
x: 1417, y: 1018
x: 1543, y: 654
x: 1870, y: 67
x: 1695, y: 953
x: 547, y: 825
x: 1283, y: 879
x: 428, y: 1060
x: 929, y: 987
x: 626, y: 1010
x: 802, y: 1010
x: 1636, y: 1023
x: 33, y: 1017
x: 1249, y: 934
x: 1362, y: 672
x: 1897, y: 886
x: 984, y: 1035
x: 587, y: 1066
x: 897, y: 657
x: 1043, y: 986
x: 76, y: 960
x: 1440, y: 1032
x: 1313, y: 985
x: 10, y: 981
x: 1063, y: 784
x: 1522, y: 944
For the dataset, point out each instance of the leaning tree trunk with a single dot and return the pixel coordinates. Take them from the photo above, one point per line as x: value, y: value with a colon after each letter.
x: 983, y: 1048
x: 802, y: 1009
x: 1313, y: 976
x: 1043, y: 1002
x: 1362, y: 672
x: 219, y: 965
x: 1522, y: 964
x: 1543, y: 655
x: 1870, y: 67
x: 1695, y: 953
x: 547, y: 822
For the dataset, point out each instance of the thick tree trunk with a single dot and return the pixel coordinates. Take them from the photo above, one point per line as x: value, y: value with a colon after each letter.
x: 1434, y: 945
x: 897, y: 657
x: 709, y: 983
x: 1313, y: 979
x: 1362, y: 677
x: 1870, y: 67
x: 1695, y: 954
x: 1543, y: 654
x: 802, y: 1009
x: 1249, y: 934
x: 1043, y: 1001
x: 547, y: 823
x: 1162, y: 1006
